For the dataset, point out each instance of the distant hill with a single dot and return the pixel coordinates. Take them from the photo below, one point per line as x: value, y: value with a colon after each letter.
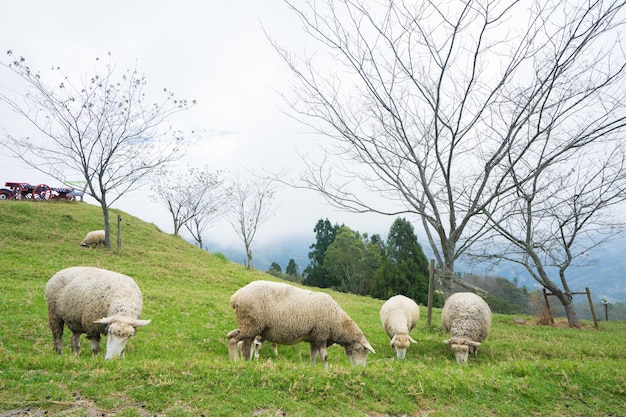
x: 605, y: 279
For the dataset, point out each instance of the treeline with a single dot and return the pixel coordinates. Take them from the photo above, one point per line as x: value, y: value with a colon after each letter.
x: 348, y: 261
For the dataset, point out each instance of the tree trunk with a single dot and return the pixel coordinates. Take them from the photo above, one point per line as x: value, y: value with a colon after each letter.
x: 566, y: 300
x: 249, y: 255
x: 107, y: 224
x: 570, y: 311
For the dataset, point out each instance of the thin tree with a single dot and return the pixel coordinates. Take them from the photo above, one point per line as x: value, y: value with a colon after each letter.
x: 428, y: 99
x: 100, y: 127
x: 559, y: 217
x: 194, y: 198
x: 251, y: 203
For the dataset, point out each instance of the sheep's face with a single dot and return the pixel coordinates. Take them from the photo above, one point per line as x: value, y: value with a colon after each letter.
x: 357, y: 353
x: 400, y: 343
x: 461, y: 352
x: 118, y: 335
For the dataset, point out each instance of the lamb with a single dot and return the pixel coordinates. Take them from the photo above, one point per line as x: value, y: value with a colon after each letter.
x: 95, y: 237
x: 399, y: 315
x: 93, y: 301
x: 282, y: 313
x: 256, y: 345
x: 468, y: 319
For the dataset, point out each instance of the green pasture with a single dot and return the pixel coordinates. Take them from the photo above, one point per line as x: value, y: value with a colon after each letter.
x: 179, y: 365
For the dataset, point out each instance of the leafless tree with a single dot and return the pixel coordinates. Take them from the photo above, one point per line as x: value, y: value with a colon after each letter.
x: 100, y: 127
x: 207, y: 207
x: 431, y: 105
x: 252, y: 203
x: 193, y: 196
x: 559, y: 216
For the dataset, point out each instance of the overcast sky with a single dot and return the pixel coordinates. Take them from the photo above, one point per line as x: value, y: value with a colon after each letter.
x: 213, y: 52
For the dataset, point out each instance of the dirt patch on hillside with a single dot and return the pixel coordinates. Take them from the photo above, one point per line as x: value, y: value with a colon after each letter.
x: 78, y: 408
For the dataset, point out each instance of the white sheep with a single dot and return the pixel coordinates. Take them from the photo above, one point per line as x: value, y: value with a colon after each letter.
x: 256, y: 345
x: 93, y: 301
x: 282, y: 313
x: 468, y: 319
x: 399, y: 315
x: 95, y: 237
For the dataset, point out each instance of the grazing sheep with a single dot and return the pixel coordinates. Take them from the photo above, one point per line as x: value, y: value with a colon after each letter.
x: 468, y: 319
x: 93, y: 301
x: 96, y: 237
x: 282, y: 313
x: 256, y: 345
x: 399, y: 315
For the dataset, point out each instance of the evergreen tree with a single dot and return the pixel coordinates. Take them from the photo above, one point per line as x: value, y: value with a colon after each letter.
x: 315, y: 274
x: 275, y: 270
x: 405, y: 267
x: 292, y: 268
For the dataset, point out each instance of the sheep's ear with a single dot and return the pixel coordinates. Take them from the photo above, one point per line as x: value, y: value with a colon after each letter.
x: 105, y: 320
x: 447, y: 342
x: 472, y: 343
x: 393, y: 340
x: 412, y: 340
x: 369, y: 347
x: 139, y: 323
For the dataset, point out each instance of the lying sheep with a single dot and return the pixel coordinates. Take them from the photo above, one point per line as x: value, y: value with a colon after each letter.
x: 282, y: 313
x: 399, y: 315
x: 468, y: 319
x: 96, y: 237
x: 93, y: 301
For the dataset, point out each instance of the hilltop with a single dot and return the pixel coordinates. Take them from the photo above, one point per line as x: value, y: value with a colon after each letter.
x: 179, y: 366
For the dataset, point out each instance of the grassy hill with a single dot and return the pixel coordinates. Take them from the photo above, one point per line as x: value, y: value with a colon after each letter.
x: 179, y: 366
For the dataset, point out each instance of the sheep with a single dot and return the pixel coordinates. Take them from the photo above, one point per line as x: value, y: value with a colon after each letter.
x: 282, y: 313
x: 399, y: 315
x: 93, y: 301
x: 256, y: 345
x: 95, y: 237
x: 468, y: 319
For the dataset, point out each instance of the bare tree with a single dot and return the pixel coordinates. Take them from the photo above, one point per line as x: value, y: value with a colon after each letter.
x: 251, y: 204
x: 207, y: 206
x: 430, y: 105
x: 99, y: 127
x: 559, y: 217
x: 193, y: 197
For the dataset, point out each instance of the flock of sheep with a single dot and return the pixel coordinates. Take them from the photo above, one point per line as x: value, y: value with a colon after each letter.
x: 96, y: 301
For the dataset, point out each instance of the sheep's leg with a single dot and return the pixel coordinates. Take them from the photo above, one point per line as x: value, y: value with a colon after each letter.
x: 318, y: 348
x: 314, y: 352
x: 324, y: 354
x: 75, y: 343
x: 56, y: 326
x: 246, y: 348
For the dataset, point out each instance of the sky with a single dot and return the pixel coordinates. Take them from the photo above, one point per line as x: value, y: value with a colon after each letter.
x: 214, y: 52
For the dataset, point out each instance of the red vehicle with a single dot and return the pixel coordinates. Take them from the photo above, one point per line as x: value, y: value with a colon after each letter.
x: 24, y: 190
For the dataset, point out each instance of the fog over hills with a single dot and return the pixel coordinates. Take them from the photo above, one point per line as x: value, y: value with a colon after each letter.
x: 605, y: 279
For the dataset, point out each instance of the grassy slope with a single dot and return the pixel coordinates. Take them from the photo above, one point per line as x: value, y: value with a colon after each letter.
x: 178, y: 365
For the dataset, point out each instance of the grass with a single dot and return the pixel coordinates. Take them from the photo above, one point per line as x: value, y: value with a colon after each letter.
x: 179, y: 366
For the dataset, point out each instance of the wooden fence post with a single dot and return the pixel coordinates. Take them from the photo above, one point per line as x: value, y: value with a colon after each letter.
x: 593, y: 312
x: 431, y: 290
x: 119, y: 232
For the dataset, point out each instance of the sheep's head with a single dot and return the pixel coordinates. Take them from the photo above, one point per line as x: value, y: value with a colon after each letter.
x: 400, y: 343
x: 357, y: 352
x: 462, y: 348
x: 119, y: 330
